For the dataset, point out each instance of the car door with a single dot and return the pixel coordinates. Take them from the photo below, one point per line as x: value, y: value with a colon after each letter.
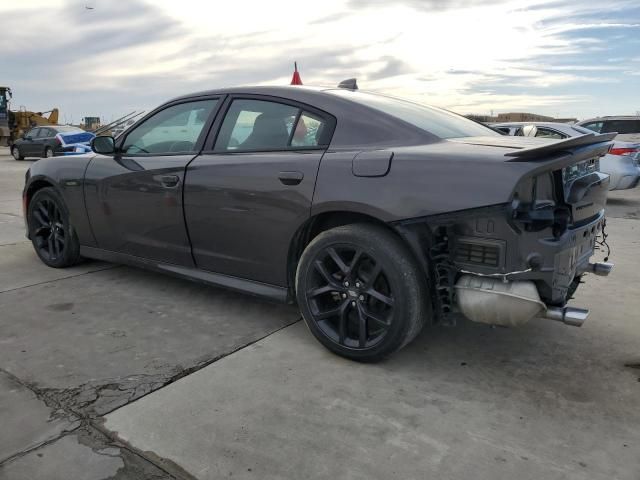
x: 134, y: 199
x: 29, y: 145
x: 246, y: 196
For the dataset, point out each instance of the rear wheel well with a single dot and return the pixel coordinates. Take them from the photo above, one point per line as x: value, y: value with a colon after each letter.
x: 318, y: 224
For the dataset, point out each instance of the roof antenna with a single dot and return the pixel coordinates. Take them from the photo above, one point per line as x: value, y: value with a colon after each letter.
x: 349, y: 83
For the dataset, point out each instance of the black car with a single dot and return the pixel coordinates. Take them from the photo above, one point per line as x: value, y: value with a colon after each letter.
x: 42, y: 141
x: 376, y: 215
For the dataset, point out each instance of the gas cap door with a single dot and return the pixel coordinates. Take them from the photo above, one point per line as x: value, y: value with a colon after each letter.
x: 376, y: 163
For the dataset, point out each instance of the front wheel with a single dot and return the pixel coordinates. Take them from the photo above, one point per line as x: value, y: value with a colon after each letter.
x: 361, y: 292
x: 15, y: 152
x: 52, y: 235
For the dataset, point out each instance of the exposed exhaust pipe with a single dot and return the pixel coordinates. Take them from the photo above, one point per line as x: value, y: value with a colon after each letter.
x: 601, y: 268
x: 567, y: 315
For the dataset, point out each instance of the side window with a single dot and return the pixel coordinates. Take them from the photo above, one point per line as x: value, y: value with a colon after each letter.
x: 621, y: 126
x: 594, y: 126
x: 170, y: 130
x: 309, y: 131
x: 256, y: 125
x: 547, y: 133
x: 33, y: 133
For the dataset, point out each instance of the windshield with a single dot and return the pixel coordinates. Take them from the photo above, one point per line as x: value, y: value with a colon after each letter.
x: 439, y: 122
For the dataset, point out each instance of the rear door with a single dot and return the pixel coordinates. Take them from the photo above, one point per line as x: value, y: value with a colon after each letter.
x: 134, y: 200
x: 249, y: 193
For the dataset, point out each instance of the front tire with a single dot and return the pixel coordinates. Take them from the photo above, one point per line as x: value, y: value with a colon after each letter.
x: 15, y: 152
x: 51, y: 233
x: 361, y: 292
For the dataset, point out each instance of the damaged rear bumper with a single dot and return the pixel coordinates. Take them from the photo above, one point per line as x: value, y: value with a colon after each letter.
x: 484, y: 266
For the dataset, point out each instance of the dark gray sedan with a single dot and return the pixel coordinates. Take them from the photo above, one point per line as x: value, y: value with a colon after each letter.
x: 376, y: 215
x: 43, y: 141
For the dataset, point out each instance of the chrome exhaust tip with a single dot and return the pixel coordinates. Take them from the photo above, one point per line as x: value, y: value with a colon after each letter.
x: 567, y: 315
x: 601, y: 268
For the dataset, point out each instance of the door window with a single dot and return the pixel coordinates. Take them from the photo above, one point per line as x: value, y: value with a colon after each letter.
x: 258, y: 125
x: 33, y: 133
x: 175, y: 129
x: 621, y: 126
x: 44, y: 133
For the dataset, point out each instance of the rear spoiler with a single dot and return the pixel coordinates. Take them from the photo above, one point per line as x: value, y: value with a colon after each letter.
x: 525, y: 154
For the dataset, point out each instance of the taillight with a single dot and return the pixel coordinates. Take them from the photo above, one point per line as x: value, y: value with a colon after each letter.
x: 623, y: 151
x: 57, y: 140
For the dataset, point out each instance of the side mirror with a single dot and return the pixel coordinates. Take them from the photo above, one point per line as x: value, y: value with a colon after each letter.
x: 103, y: 145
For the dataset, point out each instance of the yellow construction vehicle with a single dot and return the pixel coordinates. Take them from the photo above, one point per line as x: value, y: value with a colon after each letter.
x: 14, y: 124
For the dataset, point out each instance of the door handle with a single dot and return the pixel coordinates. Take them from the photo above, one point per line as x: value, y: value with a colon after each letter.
x: 169, y: 181
x: 290, y: 178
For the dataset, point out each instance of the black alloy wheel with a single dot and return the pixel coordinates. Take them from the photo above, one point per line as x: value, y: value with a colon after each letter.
x: 350, y: 297
x: 53, y: 238
x: 361, y: 292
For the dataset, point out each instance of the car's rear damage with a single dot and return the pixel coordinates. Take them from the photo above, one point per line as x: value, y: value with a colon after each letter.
x: 508, y: 263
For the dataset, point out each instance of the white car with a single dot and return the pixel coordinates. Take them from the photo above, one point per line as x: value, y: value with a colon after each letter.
x: 622, y: 163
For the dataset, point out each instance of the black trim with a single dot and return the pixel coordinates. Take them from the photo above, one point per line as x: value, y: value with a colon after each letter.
x: 273, y: 292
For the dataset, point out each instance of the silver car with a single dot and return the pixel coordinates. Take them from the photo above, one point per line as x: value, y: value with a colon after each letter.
x: 627, y: 127
x: 622, y: 163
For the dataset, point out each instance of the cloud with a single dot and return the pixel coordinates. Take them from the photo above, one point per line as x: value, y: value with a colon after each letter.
x: 460, y: 54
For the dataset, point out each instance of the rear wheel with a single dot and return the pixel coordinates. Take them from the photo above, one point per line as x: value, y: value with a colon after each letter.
x: 360, y: 292
x: 15, y: 151
x: 52, y: 235
x: 48, y: 152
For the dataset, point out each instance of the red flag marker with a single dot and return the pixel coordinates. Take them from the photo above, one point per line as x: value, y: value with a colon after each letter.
x: 296, y: 80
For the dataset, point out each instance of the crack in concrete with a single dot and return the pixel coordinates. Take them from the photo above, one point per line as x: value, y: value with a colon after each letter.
x: 109, y: 267
x: 90, y: 401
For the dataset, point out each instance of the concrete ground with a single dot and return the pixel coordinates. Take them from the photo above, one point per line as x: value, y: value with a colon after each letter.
x: 112, y: 372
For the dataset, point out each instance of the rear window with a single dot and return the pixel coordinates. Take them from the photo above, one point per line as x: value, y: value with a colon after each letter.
x: 621, y: 126
x: 439, y: 122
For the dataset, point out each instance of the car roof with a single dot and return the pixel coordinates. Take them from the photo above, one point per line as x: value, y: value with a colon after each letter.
x: 611, y: 117
x: 359, y: 124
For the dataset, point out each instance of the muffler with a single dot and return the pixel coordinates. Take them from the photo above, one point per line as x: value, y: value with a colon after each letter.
x: 569, y: 315
x: 509, y: 304
x: 601, y: 268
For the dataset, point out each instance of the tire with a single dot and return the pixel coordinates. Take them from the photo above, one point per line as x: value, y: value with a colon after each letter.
x: 352, y: 310
x: 48, y: 152
x: 15, y: 152
x: 52, y: 235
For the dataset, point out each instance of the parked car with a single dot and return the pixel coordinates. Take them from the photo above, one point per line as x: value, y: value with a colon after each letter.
x: 627, y: 127
x: 376, y: 215
x: 48, y: 141
x: 622, y: 163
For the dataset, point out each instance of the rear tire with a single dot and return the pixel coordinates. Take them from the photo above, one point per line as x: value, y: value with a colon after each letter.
x: 52, y: 235
x: 15, y: 152
x: 48, y: 152
x: 361, y: 292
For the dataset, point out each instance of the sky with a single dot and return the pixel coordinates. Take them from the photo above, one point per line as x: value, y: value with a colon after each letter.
x: 106, y: 57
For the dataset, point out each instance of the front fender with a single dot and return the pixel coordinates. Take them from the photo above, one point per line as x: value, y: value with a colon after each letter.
x: 66, y: 175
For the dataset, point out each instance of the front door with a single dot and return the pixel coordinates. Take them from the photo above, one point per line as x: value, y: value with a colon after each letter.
x: 134, y: 199
x: 246, y: 198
